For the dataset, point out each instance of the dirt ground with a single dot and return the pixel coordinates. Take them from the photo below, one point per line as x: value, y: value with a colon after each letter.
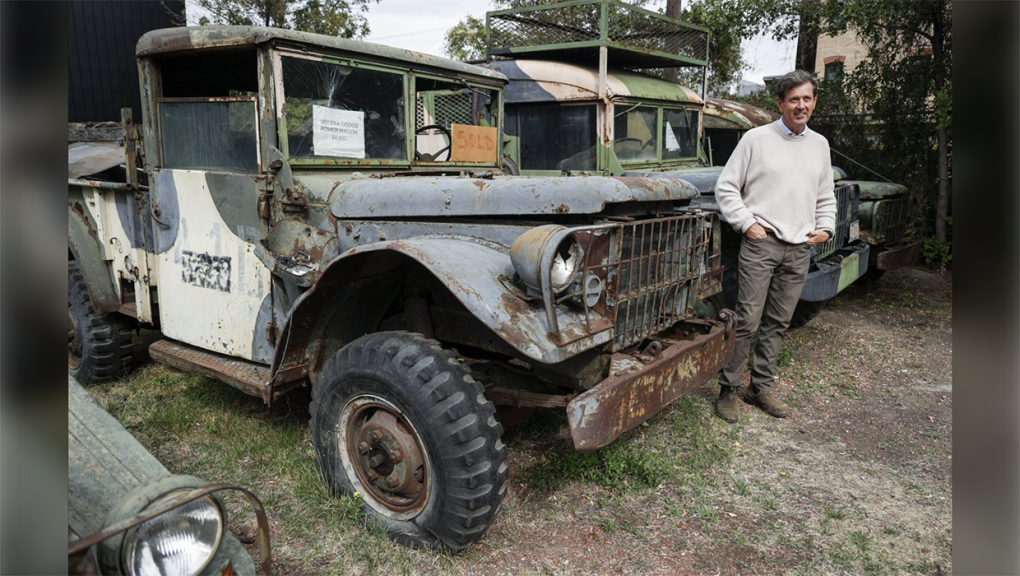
x: 856, y: 481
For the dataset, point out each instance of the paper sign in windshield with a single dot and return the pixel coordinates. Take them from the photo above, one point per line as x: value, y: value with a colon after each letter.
x: 338, y: 133
x: 671, y: 141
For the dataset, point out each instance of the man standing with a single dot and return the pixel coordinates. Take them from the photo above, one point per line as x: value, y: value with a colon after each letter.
x: 777, y: 191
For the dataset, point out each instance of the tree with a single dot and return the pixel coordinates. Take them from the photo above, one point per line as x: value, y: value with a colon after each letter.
x: 466, y: 40
x: 344, y: 18
x: 905, y: 83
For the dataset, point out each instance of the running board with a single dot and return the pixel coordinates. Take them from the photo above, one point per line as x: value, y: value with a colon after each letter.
x: 248, y: 377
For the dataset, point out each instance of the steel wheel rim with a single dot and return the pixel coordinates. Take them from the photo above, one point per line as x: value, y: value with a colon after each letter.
x: 74, y: 349
x: 390, y: 469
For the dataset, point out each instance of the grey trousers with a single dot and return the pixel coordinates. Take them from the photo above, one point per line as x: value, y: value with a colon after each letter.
x: 771, y: 276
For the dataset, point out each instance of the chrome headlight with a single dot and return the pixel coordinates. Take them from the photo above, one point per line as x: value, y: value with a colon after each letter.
x: 180, y: 542
x: 531, y: 249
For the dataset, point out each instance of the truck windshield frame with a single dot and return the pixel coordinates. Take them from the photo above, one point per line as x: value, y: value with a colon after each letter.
x: 389, y: 151
x: 401, y: 142
x: 661, y: 155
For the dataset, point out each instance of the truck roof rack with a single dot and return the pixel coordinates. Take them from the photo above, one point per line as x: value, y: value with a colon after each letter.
x: 579, y: 29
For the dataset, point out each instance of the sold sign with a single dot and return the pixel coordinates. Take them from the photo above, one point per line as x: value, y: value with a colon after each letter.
x: 474, y: 144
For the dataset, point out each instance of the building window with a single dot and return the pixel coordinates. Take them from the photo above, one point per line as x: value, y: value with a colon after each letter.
x: 834, y: 72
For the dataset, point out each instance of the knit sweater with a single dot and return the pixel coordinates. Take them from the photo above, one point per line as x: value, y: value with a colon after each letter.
x: 783, y: 183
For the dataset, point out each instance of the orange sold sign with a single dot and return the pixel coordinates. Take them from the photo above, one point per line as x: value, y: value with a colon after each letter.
x: 474, y: 144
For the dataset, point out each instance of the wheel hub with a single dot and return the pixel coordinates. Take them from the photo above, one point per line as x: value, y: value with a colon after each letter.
x: 73, y: 341
x: 387, y: 458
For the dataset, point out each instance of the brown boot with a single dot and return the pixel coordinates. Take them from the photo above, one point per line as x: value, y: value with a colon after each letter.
x: 726, y: 405
x: 768, y: 402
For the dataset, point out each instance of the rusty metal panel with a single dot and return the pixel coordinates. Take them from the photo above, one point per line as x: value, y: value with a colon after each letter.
x: 899, y: 257
x: 501, y: 195
x: 641, y: 386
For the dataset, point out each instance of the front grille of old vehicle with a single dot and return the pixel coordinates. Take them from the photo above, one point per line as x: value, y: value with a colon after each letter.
x: 658, y: 274
x: 847, y: 199
x: 891, y: 219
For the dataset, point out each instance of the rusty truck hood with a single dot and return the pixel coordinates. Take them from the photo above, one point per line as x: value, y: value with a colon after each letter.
x: 424, y: 196
x: 701, y: 177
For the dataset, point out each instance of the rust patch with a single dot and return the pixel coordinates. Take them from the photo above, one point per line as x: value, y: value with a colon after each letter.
x: 514, y: 305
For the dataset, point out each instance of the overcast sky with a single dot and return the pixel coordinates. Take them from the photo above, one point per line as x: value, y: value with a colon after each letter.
x: 420, y: 25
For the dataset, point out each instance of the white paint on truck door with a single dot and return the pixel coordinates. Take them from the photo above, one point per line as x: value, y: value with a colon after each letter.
x: 211, y: 284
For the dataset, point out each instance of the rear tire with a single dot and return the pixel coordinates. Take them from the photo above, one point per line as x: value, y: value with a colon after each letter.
x: 399, y: 421
x: 98, y: 345
x: 805, y: 312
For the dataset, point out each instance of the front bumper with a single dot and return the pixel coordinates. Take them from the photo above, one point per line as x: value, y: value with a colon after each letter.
x: 836, y: 272
x: 898, y: 257
x: 641, y: 385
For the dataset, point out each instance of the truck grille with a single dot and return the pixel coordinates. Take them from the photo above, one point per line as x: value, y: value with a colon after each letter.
x: 847, y: 200
x: 660, y: 262
x: 891, y: 219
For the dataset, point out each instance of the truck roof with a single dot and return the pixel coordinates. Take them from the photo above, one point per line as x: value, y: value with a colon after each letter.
x: 735, y: 115
x: 183, y: 38
x: 549, y: 81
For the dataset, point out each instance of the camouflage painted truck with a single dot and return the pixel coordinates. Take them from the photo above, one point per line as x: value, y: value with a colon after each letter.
x: 588, y: 98
x: 884, y: 211
x: 302, y: 210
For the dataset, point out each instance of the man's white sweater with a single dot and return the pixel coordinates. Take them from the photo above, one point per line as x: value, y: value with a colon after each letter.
x: 783, y: 183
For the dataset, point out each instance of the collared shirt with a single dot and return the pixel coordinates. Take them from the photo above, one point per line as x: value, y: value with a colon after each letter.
x: 788, y: 132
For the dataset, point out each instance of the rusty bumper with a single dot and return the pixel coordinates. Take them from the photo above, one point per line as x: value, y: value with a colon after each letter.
x: 895, y: 258
x: 639, y: 386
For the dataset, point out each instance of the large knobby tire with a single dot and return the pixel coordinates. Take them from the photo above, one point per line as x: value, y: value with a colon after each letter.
x: 805, y: 312
x: 98, y: 345
x: 399, y: 421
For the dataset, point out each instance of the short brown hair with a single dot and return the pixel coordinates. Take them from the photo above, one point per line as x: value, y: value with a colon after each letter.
x: 794, y: 79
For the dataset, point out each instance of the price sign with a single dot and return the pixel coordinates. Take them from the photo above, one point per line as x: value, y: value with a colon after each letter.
x: 474, y: 144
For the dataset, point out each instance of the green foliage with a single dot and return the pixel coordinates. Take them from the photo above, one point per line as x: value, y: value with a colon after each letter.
x: 935, y: 252
x: 344, y: 18
x: 466, y: 40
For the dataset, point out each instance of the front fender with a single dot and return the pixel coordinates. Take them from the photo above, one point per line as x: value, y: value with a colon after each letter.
x: 476, y: 273
x: 83, y: 241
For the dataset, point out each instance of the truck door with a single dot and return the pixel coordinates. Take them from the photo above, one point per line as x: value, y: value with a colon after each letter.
x: 214, y: 292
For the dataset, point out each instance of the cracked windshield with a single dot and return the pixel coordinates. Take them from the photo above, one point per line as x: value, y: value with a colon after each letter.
x: 334, y: 111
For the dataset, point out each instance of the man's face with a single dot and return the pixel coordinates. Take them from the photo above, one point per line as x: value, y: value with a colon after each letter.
x: 797, y: 107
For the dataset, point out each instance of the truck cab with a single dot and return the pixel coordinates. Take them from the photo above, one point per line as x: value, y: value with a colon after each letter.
x: 302, y: 210
x: 593, y: 100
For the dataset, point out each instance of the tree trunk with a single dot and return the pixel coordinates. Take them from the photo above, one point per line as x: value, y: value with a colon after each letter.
x: 807, y: 38
x: 673, y: 11
x: 942, y: 208
x: 941, y: 75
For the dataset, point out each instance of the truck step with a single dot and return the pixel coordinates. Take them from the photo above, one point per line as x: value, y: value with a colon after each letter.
x: 248, y: 377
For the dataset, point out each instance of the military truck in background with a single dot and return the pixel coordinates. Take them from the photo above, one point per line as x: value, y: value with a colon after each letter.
x: 303, y: 210
x: 587, y: 96
x: 884, y: 211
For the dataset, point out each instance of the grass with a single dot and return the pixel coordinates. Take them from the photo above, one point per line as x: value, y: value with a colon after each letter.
x: 834, y: 514
x: 196, y: 426
x: 685, y: 444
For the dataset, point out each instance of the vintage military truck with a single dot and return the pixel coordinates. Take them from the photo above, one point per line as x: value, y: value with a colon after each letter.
x: 310, y: 210
x: 569, y: 112
x: 884, y: 211
x: 126, y: 514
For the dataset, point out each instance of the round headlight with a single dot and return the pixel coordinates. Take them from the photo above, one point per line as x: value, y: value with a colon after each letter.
x: 180, y: 542
x: 530, y: 249
x: 565, y: 265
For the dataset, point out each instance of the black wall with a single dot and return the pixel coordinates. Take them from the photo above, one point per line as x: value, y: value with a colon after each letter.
x: 101, y: 36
